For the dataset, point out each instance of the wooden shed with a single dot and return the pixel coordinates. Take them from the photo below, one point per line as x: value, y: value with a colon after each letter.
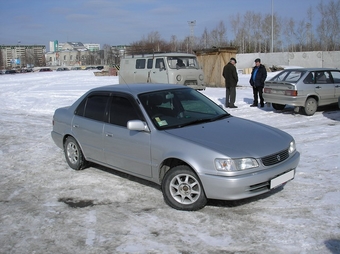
x: 212, y: 61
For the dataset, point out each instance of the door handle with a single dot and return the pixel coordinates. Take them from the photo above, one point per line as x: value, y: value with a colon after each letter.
x: 75, y: 126
x: 318, y: 87
x: 109, y: 135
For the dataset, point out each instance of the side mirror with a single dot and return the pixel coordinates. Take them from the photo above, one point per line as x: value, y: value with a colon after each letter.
x: 137, y: 125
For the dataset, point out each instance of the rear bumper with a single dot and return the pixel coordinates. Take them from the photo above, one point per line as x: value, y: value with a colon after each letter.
x: 248, y: 185
x: 284, y: 100
x: 57, y: 138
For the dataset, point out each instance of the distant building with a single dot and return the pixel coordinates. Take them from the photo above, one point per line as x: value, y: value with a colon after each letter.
x: 73, y: 54
x: 22, y: 56
x: 92, y: 46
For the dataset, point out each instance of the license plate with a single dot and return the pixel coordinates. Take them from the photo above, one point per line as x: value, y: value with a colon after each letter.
x: 281, y: 179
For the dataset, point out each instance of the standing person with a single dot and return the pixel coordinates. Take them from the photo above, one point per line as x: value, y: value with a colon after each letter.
x: 231, y: 79
x: 257, y: 78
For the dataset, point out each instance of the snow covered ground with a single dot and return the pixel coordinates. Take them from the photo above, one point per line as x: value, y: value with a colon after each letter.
x: 46, y: 207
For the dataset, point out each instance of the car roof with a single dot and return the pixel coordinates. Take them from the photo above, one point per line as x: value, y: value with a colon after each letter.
x: 136, y: 89
x: 312, y: 69
x: 160, y: 55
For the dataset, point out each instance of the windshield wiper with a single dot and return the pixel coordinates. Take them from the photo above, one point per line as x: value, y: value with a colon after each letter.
x: 204, y: 120
x: 197, y: 121
x: 225, y: 115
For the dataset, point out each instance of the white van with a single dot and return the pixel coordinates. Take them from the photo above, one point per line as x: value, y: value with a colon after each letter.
x: 173, y: 68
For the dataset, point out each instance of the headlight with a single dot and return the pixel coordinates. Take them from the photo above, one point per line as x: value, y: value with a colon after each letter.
x: 292, y: 147
x: 231, y: 165
x: 201, y: 77
x: 178, y: 77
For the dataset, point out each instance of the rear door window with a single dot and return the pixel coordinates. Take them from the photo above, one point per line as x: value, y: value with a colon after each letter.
x: 336, y: 76
x: 93, y: 107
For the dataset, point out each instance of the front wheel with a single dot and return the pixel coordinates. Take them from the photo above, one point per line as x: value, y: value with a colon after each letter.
x: 311, y: 106
x: 183, y: 190
x: 73, y: 154
x: 278, y: 106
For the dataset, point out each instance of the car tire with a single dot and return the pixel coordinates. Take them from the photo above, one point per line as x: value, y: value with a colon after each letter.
x: 183, y: 190
x: 311, y: 106
x: 73, y: 154
x: 278, y: 106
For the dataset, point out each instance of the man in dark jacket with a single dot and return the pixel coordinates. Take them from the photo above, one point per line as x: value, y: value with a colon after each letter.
x: 231, y: 79
x: 257, y: 78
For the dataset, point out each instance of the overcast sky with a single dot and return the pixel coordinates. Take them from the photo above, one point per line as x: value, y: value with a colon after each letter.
x: 123, y: 22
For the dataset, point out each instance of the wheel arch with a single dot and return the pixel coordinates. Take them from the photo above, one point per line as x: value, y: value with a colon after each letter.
x: 170, y: 163
x: 70, y: 135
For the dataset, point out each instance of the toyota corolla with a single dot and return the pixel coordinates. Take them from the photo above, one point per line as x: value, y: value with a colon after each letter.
x: 178, y: 138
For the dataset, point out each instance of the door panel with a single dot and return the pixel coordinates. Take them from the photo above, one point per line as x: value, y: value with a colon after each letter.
x: 125, y: 149
x: 336, y: 79
x: 324, y: 87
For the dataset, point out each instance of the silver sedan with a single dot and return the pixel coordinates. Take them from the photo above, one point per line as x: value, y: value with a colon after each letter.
x: 176, y: 137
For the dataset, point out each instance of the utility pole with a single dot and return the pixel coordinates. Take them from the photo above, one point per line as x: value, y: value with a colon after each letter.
x: 191, y: 24
x: 272, y: 48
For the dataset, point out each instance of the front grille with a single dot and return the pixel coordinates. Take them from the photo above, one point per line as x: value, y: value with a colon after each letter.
x: 275, y: 158
x: 190, y: 83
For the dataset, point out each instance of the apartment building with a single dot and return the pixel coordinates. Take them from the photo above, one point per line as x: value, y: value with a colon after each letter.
x: 22, y: 56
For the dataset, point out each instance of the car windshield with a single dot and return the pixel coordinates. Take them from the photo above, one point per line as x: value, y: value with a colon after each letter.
x: 180, y: 62
x: 177, y: 108
x: 291, y: 76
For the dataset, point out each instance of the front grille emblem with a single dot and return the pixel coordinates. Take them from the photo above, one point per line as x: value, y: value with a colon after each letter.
x: 278, y: 158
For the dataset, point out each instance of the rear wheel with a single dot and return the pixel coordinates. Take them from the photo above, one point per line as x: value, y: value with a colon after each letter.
x: 311, y: 106
x: 73, y: 154
x: 278, y: 106
x: 183, y: 190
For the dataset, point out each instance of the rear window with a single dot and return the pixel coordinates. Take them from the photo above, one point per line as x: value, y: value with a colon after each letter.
x: 291, y: 76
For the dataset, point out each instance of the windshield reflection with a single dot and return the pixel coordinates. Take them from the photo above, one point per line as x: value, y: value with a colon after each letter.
x: 177, y: 108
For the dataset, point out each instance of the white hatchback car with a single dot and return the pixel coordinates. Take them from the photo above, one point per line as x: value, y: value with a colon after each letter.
x: 304, y: 88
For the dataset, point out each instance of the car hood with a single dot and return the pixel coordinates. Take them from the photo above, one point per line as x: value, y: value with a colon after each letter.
x: 236, y: 137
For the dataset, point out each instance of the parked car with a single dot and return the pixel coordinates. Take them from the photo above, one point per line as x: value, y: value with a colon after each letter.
x: 45, y: 69
x: 100, y: 67
x: 304, y: 88
x: 176, y: 137
x: 91, y: 68
x: 76, y: 68
x: 63, y: 69
x: 10, y: 72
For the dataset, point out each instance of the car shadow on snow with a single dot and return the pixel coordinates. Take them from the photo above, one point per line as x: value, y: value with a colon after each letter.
x: 333, y: 245
x: 330, y: 111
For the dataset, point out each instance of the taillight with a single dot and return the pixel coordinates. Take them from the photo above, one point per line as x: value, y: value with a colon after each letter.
x: 291, y: 93
x: 267, y: 90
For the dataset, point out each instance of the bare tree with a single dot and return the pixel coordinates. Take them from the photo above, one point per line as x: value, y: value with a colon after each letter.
x: 301, y: 34
x: 289, y: 32
x: 329, y: 28
x: 252, y: 32
x: 204, y: 41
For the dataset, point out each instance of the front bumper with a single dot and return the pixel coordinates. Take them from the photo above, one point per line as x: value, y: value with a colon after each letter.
x: 247, y: 185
